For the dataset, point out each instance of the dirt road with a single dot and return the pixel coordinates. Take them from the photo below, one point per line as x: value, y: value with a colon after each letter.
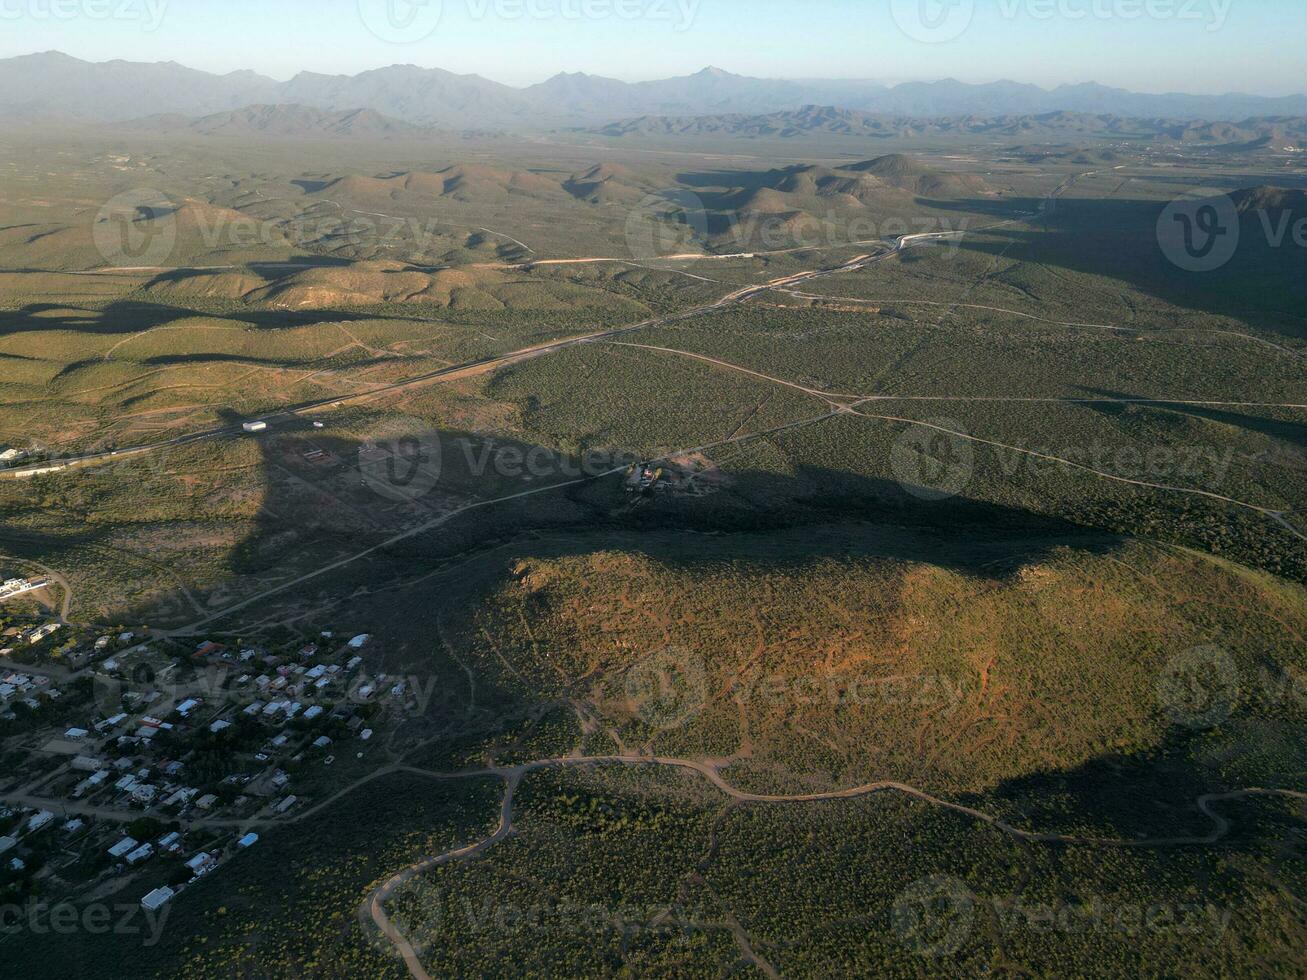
x: 374, y: 908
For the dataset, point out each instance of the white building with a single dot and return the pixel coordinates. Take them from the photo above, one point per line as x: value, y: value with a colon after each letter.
x: 49, y: 629
x: 157, y: 899
x: 91, y: 782
x: 184, y: 795
x: 124, y: 847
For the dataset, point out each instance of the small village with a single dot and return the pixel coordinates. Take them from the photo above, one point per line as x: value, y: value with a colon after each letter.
x: 136, y: 765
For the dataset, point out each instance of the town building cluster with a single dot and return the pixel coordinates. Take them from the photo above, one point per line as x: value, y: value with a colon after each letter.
x: 154, y: 764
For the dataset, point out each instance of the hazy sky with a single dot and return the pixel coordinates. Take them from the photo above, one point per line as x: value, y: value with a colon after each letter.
x: 1148, y: 45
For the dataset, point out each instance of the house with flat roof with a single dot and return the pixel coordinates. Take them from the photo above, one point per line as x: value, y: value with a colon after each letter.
x: 170, y: 842
x: 202, y: 864
x: 157, y: 899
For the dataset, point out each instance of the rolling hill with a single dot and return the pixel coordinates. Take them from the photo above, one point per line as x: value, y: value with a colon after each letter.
x: 608, y: 183
x: 464, y: 182
x: 371, y: 283
x: 893, y: 180
x: 1039, y: 669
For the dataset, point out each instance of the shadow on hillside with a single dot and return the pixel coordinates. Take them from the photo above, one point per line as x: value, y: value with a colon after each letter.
x: 1294, y: 433
x: 320, y: 504
x: 171, y: 360
x: 297, y: 263
x: 748, y: 180
x: 131, y: 317
x: 1146, y: 795
x: 332, y: 547
x: 311, y: 186
x: 1264, y: 286
x: 415, y: 577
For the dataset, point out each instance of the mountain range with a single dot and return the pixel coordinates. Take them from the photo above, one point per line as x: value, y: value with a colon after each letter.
x: 56, y: 87
x: 1276, y: 134
x: 287, y: 120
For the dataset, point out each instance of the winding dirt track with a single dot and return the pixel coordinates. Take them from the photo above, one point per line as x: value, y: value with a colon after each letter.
x: 374, y: 907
